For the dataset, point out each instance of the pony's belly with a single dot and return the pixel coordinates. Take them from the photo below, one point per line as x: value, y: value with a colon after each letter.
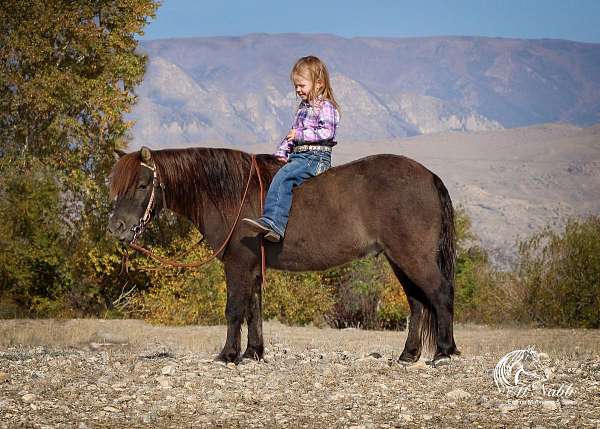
x: 319, y: 256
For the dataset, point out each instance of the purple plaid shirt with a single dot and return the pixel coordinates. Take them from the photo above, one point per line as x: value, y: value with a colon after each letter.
x: 313, y: 123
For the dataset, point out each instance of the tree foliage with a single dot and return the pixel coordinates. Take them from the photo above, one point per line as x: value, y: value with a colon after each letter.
x: 67, y: 74
x: 68, y: 71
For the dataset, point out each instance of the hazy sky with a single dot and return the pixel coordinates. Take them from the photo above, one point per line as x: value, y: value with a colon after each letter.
x: 532, y: 19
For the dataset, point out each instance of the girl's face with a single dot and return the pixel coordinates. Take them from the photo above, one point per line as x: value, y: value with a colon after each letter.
x: 303, y: 86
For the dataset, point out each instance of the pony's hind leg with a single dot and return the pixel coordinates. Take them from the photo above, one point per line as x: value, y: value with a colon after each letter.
x: 414, y: 345
x: 426, y: 283
x: 440, y: 296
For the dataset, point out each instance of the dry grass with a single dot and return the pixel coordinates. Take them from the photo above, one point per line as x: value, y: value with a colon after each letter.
x: 472, y: 340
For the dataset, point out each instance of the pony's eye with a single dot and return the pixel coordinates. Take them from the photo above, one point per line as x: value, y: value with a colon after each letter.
x: 142, y: 186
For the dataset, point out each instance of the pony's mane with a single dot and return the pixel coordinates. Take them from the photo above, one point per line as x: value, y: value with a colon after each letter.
x: 189, y: 175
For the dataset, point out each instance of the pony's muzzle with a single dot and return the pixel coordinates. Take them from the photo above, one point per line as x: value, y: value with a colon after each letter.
x: 117, y: 227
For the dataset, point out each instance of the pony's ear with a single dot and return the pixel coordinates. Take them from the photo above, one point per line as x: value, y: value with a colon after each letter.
x: 146, y: 154
x: 119, y: 153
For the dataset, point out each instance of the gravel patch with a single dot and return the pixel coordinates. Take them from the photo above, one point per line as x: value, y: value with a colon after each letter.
x: 166, y: 378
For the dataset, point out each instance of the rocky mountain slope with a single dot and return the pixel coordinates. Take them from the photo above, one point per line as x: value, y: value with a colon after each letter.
x: 236, y: 90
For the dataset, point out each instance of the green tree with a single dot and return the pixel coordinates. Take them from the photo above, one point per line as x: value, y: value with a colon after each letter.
x: 68, y: 70
x: 67, y: 74
x: 31, y: 240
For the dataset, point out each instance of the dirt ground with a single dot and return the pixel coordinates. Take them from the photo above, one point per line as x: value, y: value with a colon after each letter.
x: 128, y: 374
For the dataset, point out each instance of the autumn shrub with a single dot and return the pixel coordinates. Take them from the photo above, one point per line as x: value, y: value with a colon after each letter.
x: 556, y: 282
x: 393, y: 309
x: 297, y: 298
x: 478, y: 286
x: 558, y: 275
x: 367, y: 295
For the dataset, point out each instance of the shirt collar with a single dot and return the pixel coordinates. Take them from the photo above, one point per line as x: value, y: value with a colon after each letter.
x: 318, y: 102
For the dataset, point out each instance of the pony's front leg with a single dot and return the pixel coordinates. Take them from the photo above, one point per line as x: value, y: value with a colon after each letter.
x: 255, y: 349
x: 237, y: 302
x: 240, y: 289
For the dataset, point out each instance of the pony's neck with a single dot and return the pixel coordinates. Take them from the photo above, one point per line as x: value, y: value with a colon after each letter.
x: 204, y: 185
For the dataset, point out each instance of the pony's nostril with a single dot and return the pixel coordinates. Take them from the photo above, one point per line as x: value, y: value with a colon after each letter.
x: 120, y: 226
x: 116, y: 227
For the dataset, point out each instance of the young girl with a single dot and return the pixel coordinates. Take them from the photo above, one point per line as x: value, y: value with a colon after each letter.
x: 306, y: 148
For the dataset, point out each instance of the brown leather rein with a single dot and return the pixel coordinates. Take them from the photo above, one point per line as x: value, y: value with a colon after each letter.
x: 176, y: 264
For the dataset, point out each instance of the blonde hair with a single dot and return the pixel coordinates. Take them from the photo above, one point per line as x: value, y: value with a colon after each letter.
x: 313, y: 69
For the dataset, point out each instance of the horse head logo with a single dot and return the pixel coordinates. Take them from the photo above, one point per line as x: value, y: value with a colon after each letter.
x: 519, y: 368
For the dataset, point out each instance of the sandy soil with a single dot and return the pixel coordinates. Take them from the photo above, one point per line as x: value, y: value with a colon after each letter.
x: 128, y: 374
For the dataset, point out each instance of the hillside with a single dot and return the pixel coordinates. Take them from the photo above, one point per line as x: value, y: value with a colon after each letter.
x: 236, y: 90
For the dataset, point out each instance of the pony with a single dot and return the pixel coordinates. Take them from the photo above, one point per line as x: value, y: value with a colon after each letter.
x: 379, y: 204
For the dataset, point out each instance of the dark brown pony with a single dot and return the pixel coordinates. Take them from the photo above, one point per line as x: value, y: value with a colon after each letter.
x: 382, y: 203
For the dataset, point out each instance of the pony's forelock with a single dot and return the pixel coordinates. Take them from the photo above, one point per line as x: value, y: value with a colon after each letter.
x: 124, y: 175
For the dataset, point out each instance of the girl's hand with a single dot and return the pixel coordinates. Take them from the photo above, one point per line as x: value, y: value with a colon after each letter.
x: 291, y: 135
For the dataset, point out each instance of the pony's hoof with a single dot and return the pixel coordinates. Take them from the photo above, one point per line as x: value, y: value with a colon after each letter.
x: 252, y: 354
x: 407, y: 359
x: 227, y: 357
x: 439, y: 361
x: 413, y: 366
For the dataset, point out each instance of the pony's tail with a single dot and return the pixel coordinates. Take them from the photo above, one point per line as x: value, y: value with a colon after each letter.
x: 445, y: 262
x: 428, y: 328
x: 446, y: 255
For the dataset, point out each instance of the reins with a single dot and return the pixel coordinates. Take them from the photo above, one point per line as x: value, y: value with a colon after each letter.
x: 176, y: 264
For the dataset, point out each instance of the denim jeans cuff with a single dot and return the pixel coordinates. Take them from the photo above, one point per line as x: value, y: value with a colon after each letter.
x: 273, y: 226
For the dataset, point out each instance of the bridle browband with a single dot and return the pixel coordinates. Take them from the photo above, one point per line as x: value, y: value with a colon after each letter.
x: 140, y: 226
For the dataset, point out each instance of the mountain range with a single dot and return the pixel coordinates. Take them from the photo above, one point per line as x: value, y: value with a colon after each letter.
x: 236, y: 90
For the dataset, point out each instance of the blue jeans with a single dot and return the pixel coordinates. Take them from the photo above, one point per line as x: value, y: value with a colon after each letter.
x: 300, y: 166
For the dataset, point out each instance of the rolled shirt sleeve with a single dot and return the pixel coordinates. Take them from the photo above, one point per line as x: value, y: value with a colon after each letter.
x: 284, y: 149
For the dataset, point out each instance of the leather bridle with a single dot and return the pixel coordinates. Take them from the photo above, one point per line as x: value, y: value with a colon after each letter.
x: 140, y: 226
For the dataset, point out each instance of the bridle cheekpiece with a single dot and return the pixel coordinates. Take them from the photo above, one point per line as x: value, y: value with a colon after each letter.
x: 138, y: 228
